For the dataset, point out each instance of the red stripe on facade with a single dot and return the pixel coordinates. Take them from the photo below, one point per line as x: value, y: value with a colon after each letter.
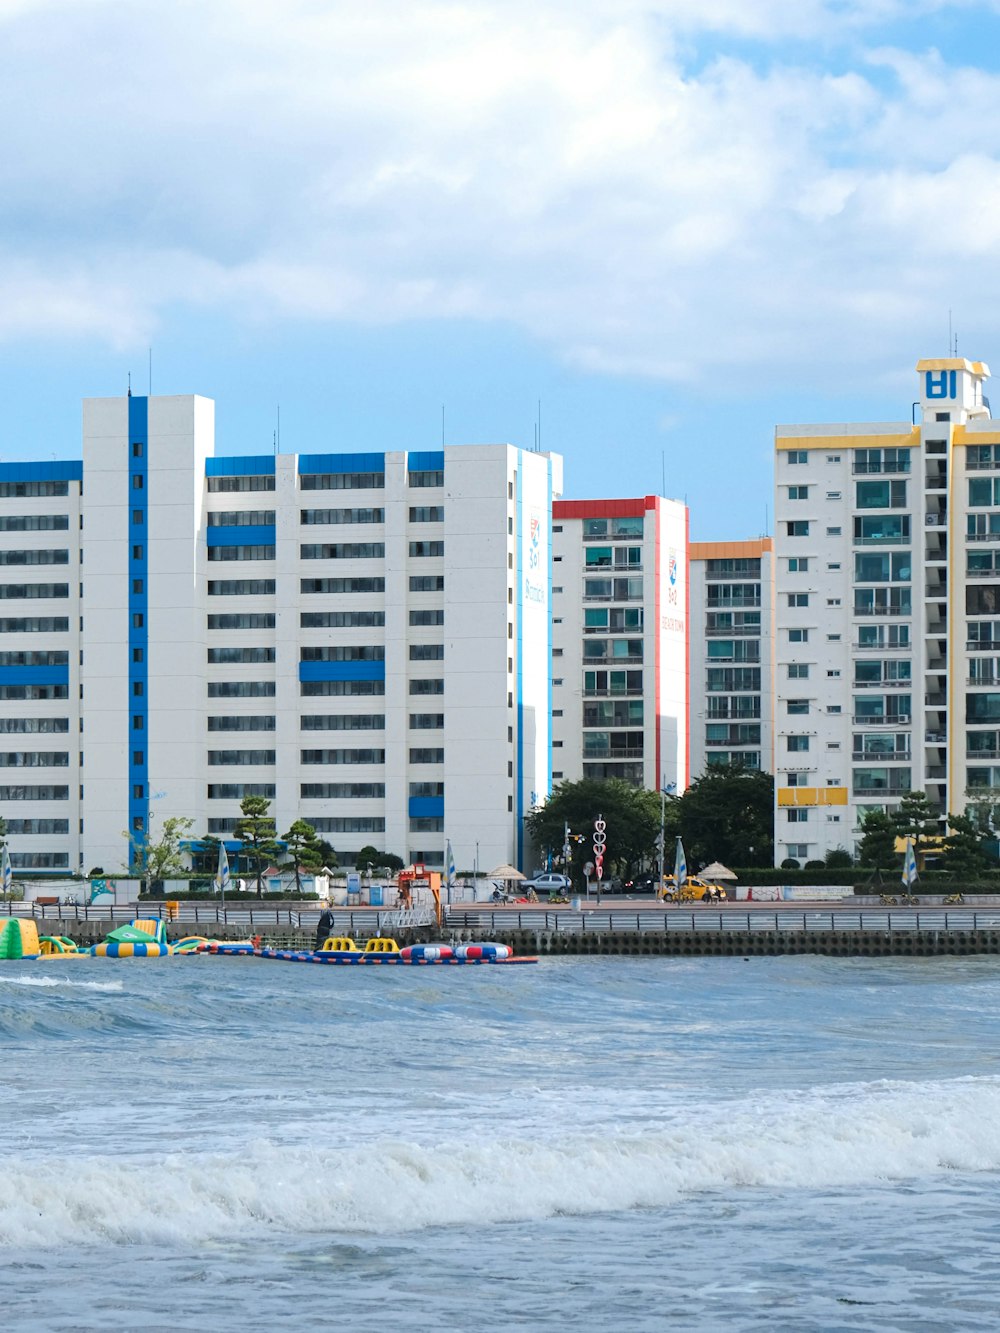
x: 601, y: 508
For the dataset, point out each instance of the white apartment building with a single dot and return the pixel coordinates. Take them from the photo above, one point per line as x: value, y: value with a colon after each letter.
x: 732, y: 654
x: 362, y: 638
x: 620, y: 613
x: 888, y: 612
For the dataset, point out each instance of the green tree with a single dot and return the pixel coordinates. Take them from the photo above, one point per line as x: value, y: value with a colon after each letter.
x: 368, y: 859
x: 256, y: 831
x: 304, y: 851
x: 964, y: 854
x: 728, y: 815
x: 878, y: 840
x: 631, y: 814
x: 917, y: 820
x: 838, y: 858
x: 153, y: 858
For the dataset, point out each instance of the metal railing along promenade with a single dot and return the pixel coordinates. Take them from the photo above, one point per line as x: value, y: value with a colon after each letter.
x: 202, y: 915
x: 704, y: 920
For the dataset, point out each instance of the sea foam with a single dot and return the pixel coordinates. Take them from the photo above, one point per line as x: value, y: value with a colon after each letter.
x: 847, y: 1136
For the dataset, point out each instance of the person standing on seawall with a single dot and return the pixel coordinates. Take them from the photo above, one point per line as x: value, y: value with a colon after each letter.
x: 323, y: 928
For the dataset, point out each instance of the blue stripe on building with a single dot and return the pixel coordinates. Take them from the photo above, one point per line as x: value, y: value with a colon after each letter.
x: 341, y: 671
x: 427, y: 461
x: 314, y: 463
x: 259, y: 534
x: 34, y: 675
x: 138, y: 613
x: 68, y: 470
x: 423, y: 807
x: 240, y: 465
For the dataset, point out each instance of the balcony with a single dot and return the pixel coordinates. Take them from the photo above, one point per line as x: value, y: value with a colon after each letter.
x: 602, y: 571
x: 877, y: 757
x: 612, y: 754
x: 936, y: 738
x: 982, y: 680
x: 611, y: 661
x: 982, y: 754
x: 983, y: 536
x: 741, y: 632
x: 882, y: 541
x: 876, y: 468
x: 937, y: 771
x: 982, y: 465
x: 727, y: 603
x: 883, y: 720
x: 882, y: 647
x: 883, y: 611
x: 613, y: 694
x: 881, y: 791
x: 881, y: 684
x: 937, y: 664
x: 982, y: 573
x: 936, y: 484
x: 936, y: 700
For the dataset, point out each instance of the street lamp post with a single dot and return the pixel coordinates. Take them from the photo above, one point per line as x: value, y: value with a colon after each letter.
x: 665, y: 787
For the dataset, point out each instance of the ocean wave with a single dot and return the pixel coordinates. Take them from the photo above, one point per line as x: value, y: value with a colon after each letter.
x: 64, y: 982
x: 828, y: 1138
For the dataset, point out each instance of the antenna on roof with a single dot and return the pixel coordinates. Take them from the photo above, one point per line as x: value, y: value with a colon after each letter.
x: 539, y: 445
x: 151, y: 372
x: 130, y: 384
x: 277, y: 432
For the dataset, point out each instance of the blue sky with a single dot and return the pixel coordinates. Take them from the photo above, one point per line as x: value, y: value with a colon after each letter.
x: 676, y: 224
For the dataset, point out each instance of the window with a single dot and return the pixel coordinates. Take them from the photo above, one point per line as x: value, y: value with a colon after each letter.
x: 235, y: 656
x: 16, y: 490
x: 365, y: 652
x: 426, y: 652
x: 337, y: 586
x: 232, y: 758
x: 241, y: 587
x: 262, y: 552
x: 34, y: 522
x: 34, y: 759
x: 34, y: 557
x: 427, y: 617
x: 798, y: 599
x: 833, y: 495
x: 33, y: 624
x: 427, y: 721
x: 798, y: 636
x: 429, y: 583
x: 798, y: 705
x: 341, y: 481
x: 325, y: 516
x: 34, y: 793
x: 426, y: 513
x: 880, y: 494
x: 833, y: 532
x: 798, y: 492
x: 367, y: 756
x: 138, y: 482
x: 341, y: 791
x: 798, y: 527
x: 833, y: 458
x: 44, y: 657
x: 242, y: 620
x: 797, y: 744
x: 798, y: 670
x: 235, y: 484
x: 430, y: 686
x: 341, y: 551
x: 343, y: 722
x: 243, y: 722
x: 241, y: 689
x: 340, y: 688
x: 426, y: 478
x: 235, y: 791
x: 797, y: 816
x: 418, y: 549
x: 10, y: 725
x: 241, y: 518
x: 798, y: 564
x: 341, y: 619
x: 425, y: 756
x: 795, y: 456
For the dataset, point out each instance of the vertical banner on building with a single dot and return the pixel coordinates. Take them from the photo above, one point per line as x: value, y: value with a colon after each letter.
x: 671, y: 646
x: 533, y: 631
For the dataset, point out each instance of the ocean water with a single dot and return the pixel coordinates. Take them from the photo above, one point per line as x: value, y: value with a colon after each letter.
x: 228, y: 1144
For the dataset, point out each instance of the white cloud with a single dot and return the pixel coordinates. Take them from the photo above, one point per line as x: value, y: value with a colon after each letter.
x: 557, y: 166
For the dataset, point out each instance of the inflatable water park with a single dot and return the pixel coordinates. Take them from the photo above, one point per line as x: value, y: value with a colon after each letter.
x: 146, y: 937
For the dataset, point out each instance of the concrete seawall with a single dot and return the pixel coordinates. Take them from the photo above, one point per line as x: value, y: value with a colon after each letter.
x: 739, y: 944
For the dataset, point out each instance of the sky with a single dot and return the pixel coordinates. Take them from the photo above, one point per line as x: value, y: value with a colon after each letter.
x: 642, y: 234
